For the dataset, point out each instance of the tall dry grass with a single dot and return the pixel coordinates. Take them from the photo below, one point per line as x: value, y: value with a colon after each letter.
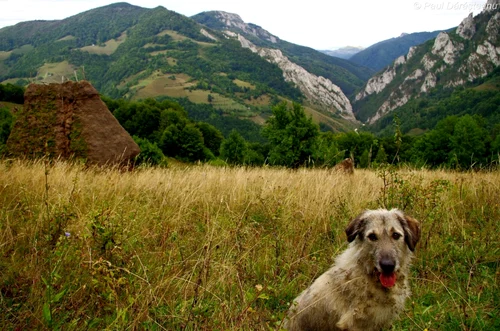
x: 204, y: 248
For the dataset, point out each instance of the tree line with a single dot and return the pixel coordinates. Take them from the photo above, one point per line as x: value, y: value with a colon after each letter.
x: 290, y: 138
x: 165, y: 129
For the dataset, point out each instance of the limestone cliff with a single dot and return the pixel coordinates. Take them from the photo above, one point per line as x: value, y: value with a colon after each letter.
x: 452, y: 59
x: 235, y: 21
x: 318, y: 90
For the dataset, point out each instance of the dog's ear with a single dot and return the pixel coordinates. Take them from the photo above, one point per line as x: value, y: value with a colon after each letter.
x: 355, y: 227
x: 411, y: 229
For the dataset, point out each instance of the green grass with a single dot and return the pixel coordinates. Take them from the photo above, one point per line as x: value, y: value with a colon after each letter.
x: 4, y: 55
x: 206, y: 248
x: 108, y: 48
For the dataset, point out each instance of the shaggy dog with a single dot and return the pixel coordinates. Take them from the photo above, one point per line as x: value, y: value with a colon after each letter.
x: 367, y: 286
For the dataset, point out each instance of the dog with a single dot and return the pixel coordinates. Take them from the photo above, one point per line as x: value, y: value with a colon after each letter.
x: 367, y: 286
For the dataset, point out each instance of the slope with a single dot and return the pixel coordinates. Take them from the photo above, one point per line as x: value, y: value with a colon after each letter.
x: 450, y: 61
x: 383, y: 53
x: 347, y: 75
x: 132, y: 52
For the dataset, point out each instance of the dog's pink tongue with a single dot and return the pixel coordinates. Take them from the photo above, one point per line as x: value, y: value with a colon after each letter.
x: 388, y: 280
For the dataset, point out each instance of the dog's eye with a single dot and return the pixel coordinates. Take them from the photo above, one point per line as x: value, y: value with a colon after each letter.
x: 396, y: 236
x: 372, y: 237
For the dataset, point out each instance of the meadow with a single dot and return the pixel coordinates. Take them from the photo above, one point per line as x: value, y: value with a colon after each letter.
x: 217, y: 248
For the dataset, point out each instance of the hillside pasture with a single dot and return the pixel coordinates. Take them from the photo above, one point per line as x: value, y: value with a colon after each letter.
x: 179, y: 37
x: 66, y: 38
x: 56, y: 72
x: 159, y: 84
x: 206, y: 248
x: 4, y: 55
x: 109, y: 47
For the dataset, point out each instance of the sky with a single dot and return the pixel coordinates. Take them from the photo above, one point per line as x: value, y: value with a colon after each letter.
x: 320, y: 24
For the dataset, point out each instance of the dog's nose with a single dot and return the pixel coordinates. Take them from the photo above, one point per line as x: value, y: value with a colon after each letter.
x: 387, y: 265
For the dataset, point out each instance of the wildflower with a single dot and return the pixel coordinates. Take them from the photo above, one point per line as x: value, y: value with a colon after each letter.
x: 67, y: 234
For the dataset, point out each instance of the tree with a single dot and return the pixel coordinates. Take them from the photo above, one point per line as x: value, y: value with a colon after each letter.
x: 190, y: 141
x: 381, y: 157
x: 150, y: 152
x: 327, y: 152
x: 211, y: 136
x: 292, y: 136
x: 434, y: 147
x: 6, y: 121
x: 468, y: 142
x: 355, y: 143
x: 234, y: 148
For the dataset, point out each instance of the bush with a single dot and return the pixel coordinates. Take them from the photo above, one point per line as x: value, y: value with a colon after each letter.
x: 150, y: 153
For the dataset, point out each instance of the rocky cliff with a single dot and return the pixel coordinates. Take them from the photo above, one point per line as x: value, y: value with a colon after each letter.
x: 231, y: 20
x: 318, y: 90
x: 451, y: 59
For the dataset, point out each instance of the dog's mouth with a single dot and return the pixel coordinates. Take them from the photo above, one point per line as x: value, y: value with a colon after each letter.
x: 387, y: 280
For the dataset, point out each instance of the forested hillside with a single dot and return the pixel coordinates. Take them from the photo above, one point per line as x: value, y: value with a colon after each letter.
x: 190, y: 133
x: 347, y: 75
x: 383, y: 53
x: 427, y: 84
x: 135, y: 53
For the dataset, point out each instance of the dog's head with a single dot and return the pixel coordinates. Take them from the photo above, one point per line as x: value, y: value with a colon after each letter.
x: 385, y: 236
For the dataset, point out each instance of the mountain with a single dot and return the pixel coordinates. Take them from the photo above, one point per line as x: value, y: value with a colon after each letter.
x: 314, y: 73
x: 133, y: 52
x: 344, y: 52
x: 383, y: 53
x: 452, y: 60
x: 345, y: 74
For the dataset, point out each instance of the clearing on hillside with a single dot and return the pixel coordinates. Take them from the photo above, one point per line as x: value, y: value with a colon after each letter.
x: 109, y: 47
x: 55, y: 72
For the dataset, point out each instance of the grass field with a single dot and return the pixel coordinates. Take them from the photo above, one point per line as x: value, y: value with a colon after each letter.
x: 54, y: 72
x: 205, y: 248
x: 4, y: 55
x: 109, y: 47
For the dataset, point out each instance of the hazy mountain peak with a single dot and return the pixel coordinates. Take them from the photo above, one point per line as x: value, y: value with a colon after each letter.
x: 344, y: 52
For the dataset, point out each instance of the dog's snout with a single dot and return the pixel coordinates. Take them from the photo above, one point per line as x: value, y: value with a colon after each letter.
x: 387, y: 265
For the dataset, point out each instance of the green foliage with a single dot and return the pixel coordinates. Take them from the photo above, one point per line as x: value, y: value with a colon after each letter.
x: 150, y: 153
x: 208, y: 114
x: 425, y: 112
x: 327, y: 152
x: 383, y: 53
x: 11, y: 93
x: 166, y: 125
x: 6, y: 122
x: 460, y: 142
x: 234, y: 149
x: 191, y: 144
x: 292, y: 136
x: 348, y: 75
x: 212, y: 138
x: 381, y: 157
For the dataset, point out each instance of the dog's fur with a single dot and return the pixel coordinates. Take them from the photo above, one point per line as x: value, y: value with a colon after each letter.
x: 350, y: 295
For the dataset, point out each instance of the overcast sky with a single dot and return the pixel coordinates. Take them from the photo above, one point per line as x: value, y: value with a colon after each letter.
x: 320, y: 24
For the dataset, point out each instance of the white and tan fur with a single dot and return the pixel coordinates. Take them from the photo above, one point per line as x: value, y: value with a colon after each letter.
x: 350, y: 295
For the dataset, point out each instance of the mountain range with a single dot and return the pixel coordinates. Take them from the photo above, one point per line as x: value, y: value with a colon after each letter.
x: 454, y: 59
x: 344, y: 52
x: 239, y: 69
x: 383, y: 53
x: 133, y: 52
